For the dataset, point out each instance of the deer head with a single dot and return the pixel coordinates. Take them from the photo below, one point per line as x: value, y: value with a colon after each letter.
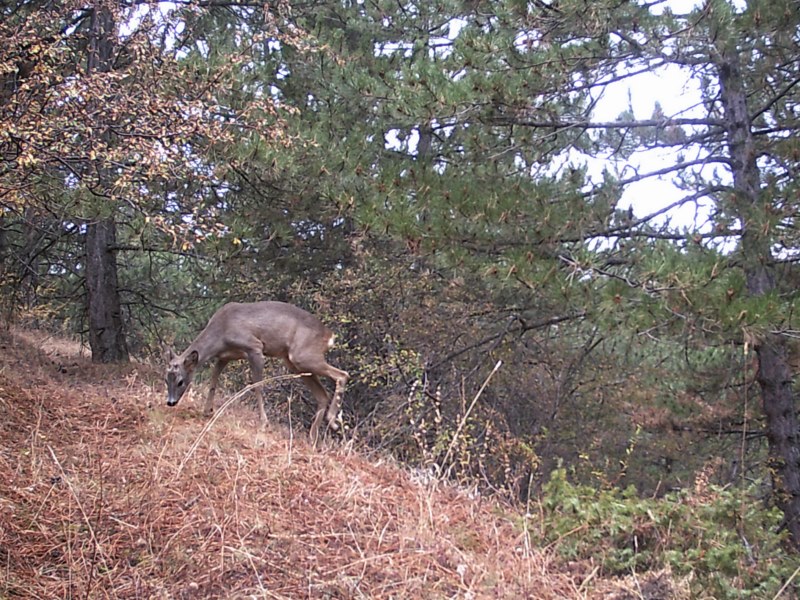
x: 180, y: 370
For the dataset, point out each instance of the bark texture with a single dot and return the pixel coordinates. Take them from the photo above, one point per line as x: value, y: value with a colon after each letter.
x: 106, y: 334
x: 774, y: 373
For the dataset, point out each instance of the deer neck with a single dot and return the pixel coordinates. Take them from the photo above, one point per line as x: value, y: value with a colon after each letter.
x: 207, y: 345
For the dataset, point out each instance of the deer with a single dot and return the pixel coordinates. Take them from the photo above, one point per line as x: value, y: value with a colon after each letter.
x: 253, y: 331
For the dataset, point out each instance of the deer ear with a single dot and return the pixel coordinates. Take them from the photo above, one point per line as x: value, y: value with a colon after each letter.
x: 190, y: 362
x: 168, y: 353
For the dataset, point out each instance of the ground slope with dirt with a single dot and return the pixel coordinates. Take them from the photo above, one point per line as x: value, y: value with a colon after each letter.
x: 106, y: 493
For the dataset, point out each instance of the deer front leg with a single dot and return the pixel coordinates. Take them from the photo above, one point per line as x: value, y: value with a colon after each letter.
x: 212, y: 386
x: 256, y: 359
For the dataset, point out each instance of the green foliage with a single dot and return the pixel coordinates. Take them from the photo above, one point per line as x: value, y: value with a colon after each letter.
x: 722, y: 538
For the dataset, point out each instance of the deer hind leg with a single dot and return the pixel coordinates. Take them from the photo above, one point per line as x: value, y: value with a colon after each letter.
x: 320, y: 395
x: 256, y: 360
x: 212, y: 386
x: 340, y: 377
x: 316, y: 365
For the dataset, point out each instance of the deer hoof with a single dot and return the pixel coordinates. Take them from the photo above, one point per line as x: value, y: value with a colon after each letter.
x: 333, y: 422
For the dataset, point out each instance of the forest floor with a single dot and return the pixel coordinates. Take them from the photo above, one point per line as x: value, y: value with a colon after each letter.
x: 107, y: 493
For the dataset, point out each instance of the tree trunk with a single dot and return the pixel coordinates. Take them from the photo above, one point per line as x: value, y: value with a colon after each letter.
x: 774, y: 374
x: 106, y: 336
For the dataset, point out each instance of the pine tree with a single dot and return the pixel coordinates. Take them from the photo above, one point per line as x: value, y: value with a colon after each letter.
x: 471, y: 127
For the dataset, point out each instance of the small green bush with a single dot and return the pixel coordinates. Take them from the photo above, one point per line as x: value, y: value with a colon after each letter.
x: 723, y: 539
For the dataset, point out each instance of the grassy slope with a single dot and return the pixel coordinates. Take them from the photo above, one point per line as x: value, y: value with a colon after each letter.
x: 105, y: 493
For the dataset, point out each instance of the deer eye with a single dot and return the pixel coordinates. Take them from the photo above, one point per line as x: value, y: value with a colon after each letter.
x: 180, y: 383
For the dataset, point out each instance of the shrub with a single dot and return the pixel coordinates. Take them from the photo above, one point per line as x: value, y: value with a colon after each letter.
x: 723, y: 539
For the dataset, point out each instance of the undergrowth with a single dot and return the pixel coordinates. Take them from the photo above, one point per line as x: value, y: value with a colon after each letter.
x: 722, y: 540
x: 104, y: 493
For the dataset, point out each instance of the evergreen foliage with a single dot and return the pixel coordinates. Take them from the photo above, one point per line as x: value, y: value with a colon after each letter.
x: 721, y: 540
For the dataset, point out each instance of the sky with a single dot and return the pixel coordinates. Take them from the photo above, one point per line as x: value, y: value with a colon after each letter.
x: 678, y: 95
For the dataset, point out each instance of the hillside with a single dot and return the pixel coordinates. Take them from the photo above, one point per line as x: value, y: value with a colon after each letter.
x: 106, y: 493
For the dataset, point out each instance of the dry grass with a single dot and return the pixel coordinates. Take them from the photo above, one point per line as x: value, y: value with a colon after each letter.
x: 101, y: 496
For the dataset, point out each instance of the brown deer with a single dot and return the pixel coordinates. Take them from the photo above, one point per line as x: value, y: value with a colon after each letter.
x: 255, y: 330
